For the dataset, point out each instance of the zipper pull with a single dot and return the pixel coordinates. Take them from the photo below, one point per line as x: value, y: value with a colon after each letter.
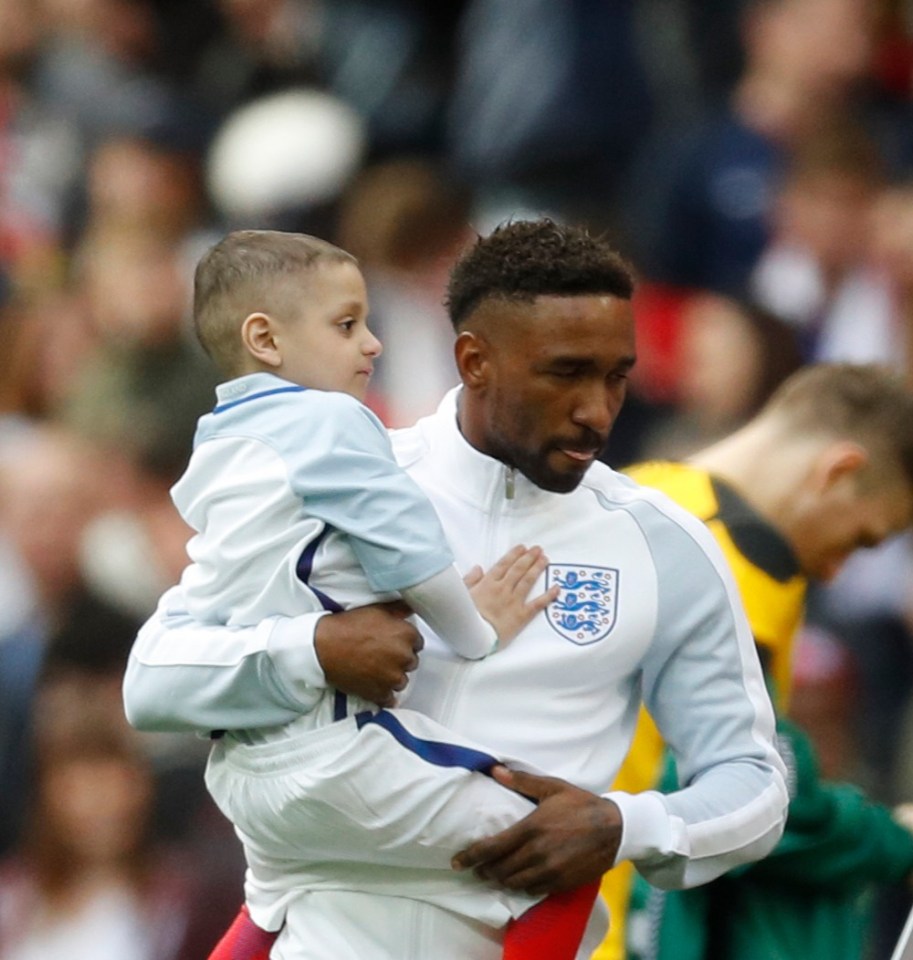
x: 509, y: 485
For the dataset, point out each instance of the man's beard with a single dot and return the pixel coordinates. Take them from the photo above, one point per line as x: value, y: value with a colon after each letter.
x: 535, y: 467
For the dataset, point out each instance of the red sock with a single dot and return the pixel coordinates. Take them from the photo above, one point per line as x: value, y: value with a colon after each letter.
x: 552, y: 929
x: 244, y: 940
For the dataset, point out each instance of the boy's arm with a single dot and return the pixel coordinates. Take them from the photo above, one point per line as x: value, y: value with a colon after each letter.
x: 444, y: 603
x: 487, y: 610
x: 187, y: 676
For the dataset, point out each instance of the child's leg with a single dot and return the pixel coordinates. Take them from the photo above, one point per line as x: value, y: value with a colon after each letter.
x: 386, y: 793
x: 244, y: 940
x: 552, y: 929
x: 378, y: 806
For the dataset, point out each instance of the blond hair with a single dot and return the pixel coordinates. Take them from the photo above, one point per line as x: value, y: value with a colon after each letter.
x: 867, y: 403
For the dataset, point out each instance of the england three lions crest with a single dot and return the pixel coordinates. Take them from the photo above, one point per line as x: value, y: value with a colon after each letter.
x: 584, y: 611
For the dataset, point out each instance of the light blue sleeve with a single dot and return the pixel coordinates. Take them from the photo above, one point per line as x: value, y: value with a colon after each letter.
x: 346, y: 475
x: 703, y: 685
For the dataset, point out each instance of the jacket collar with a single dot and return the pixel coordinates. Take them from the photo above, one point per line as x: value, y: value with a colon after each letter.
x: 470, y: 474
x: 250, y: 385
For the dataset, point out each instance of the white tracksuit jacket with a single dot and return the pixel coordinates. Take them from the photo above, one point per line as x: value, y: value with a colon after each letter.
x: 647, y: 609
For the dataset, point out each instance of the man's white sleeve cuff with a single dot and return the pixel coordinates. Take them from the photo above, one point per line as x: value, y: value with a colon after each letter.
x: 648, y: 830
x: 291, y: 648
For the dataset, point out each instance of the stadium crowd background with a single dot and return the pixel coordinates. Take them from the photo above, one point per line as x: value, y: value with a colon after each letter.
x: 753, y: 160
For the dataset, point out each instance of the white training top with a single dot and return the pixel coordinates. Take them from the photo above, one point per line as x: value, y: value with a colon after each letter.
x: 647, y: 610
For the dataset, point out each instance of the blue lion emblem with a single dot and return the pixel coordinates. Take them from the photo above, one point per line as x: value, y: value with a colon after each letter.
x: 584, y: 611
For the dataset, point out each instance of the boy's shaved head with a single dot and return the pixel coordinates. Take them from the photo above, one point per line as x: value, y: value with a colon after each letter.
x: 241, y: 275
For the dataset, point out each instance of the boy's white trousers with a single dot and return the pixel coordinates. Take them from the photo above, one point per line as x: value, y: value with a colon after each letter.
x: 379, y: 802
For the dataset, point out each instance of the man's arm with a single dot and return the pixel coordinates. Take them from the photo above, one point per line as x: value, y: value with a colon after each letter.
x: 704, y: 687
x: 703, y: 683
x: 837, y: 839
x: 187, y: 676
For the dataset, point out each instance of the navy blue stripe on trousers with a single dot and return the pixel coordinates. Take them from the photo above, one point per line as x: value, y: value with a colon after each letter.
x: 304, y: 568
x: 439, y: 753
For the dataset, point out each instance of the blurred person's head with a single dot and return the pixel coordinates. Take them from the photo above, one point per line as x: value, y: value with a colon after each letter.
x: 136, y: 286
x: 824, y: 45
x: 21, y: 30
x: 285, y: 303
x: 269, y: 27
x: 892, y: 234
x: 125, y: 29
x: 146, y: 383
x: 48, y: 339
x: 826, y: 198
x: 49, y: 491
x: 405, y: 217
x: 731, y: 355
x: 136, y: 183
x: 802, y: 58
x: 829, y: 460
x: 93, y: 788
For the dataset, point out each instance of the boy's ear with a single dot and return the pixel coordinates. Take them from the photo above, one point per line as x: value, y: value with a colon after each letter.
x: 258, y: 337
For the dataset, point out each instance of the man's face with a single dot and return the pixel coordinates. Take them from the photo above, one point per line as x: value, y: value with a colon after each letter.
x: 554, y: 376
x: 848, y: 517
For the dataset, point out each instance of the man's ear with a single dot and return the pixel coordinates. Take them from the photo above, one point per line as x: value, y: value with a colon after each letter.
x: 471, y: 352
x: 259, y: 338
x: 841, y: 460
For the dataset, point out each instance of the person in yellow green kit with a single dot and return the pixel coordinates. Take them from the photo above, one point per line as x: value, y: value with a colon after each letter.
x: 825, y: 468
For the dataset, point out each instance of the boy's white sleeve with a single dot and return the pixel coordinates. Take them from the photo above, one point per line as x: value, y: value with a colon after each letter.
x: 186, y: 676
x: 444, y: 603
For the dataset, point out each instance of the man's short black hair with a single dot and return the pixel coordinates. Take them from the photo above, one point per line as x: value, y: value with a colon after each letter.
x: 524, y: 259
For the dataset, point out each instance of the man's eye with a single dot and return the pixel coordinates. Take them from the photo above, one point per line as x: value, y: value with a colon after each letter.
x: 346, y: 325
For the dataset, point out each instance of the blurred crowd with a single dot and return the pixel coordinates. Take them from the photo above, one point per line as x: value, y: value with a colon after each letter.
x: 753, y: 160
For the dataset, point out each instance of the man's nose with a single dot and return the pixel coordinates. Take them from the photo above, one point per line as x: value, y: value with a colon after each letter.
x: 595, y: 408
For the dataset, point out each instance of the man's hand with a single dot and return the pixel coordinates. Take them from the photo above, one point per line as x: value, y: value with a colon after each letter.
x: 570, y: 839
x: 369, y: 651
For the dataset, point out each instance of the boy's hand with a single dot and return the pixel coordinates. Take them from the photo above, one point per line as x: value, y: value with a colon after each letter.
x: 502, y: 594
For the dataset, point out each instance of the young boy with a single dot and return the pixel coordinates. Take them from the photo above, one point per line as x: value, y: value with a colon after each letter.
x: 299, y: 505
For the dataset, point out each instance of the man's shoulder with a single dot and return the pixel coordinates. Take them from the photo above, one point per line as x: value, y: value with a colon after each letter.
x: 655, y: 508
x: 411, y: 444
x: 689, y: 486
x: 604, y: 478
x: 620, y: 486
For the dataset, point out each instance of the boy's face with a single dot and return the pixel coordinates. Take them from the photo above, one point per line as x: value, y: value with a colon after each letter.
x: 325, y: 343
